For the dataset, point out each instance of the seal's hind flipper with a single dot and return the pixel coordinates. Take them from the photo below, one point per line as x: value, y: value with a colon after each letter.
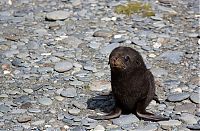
x: 151, y: 117
x: 113, y: 114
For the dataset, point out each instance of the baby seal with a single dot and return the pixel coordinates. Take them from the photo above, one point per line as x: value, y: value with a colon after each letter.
x: 133, y: 86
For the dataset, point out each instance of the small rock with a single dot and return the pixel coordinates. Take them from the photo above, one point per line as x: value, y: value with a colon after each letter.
x: 166, y: 1
x: 45, y: 101
x: 71, y: 41
x: 29, y: 91
x: 186, y: 107
x: 125, y: 119
x: 69, y: 92
x: 159, y: 72
x: 109, y: 48
x: 63, y: 66
x: 74, y: 111
x: 194, y: 127
x: 195, y: 97
x: 170, y: 123
x: 99, y: 128
x: 100, y: 85
x: 188, y: 118
x: 94, y: 45
x: 172, y: 56
x: 4, y: 108
x: 76, y: 83
x: 178, y: 97
x: 34, y: 110
x: 58, y: 15
x: 37, y: 123
x: 24, y: 119
x: 79, y: 105
x: 103, y: 33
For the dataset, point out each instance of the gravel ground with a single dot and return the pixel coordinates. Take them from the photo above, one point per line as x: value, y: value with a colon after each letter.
x: 54, y: 63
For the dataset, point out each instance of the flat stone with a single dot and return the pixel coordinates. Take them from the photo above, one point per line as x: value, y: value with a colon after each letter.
x: 194, y: 127
x: 103, y: 33
x: 166, y: 9
x: 188, y: 118
x: 79, y: 105
x: 172, y: 56
x: 74, y: 111
x: 94, y: 45
x: 37, y: 123
x: 107, y: 49
x: 58, y: 15
x: 186, y: 107
x: 69, y: 92
x: 45, y: 101
x: 159, y: 72
x: 100, y: 85
x: 178, y: 97
x: 99, y: 128
x: 195, y: 97
x: 4, y: 108
x: 63, y: 66
x: 166, y: 1
x: 18, y: 111
x: 76, y: 83
x: 125, y: 119
x: 34, y: 110
x: 71, y: 41
x: 170, y: 123
x: 29, y: 91
x: 24, y: 119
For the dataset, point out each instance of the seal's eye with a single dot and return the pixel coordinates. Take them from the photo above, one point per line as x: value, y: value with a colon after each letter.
x: 126, y: 58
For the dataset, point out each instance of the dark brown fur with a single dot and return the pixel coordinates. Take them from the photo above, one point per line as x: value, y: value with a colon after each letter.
x: 132, y: 83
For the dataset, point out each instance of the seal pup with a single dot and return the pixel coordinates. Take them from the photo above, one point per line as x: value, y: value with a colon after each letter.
x: 133, y: 86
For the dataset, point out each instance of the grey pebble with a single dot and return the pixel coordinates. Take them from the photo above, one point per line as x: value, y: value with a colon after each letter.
x: 172, y: 56
x: 45, y: 101
x: 74, y: 111
x: 188, y: 118
x: 4, y: 108
x: 159, y: 72
x: 63, y: 66
x: 178, y: 97
x: 107, y: 49
x: 24, y: 119
x: 125, y: 119
x: 34, y: 110
x: 79, y: 105
x: 58, y: 15
x: 194, y: 127
x: 37, y: 123
x: 76, y: 83
x: 69, y: 92
x: 195, y: 97
x: 186, y: 107
x: 102, y: 33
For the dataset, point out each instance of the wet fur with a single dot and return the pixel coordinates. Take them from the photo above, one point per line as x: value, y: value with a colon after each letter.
x: 132, y: 84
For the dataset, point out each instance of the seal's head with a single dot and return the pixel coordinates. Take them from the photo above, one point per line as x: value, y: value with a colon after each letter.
x: 125, y: 58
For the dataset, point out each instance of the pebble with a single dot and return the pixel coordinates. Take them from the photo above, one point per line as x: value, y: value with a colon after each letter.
x: 186, y: 107
x: 99, y: 128
x: 170, y: 123
x: 74, y: 111
x: 69, y: 92
x: 125, y: 120
x: 34, y: 110
x: 24, y: 119
x: 63, y: 66
x: 38, y: 123
x: 159, y: 72
x: 107, y: 49
x: 45, y: 101
x: 58, y: 15
x: 29, y: 91
x: 103, y: 33
x: 188, y: 118
x: 172, y: 56
x: 195, y: 97
x: 4, y: 108
x: 100, y: 86
x: 178, y: 97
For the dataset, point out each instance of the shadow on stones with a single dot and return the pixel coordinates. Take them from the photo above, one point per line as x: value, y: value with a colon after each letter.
x: 101, y: 103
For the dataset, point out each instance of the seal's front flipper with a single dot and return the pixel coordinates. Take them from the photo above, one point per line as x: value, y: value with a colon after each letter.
x: 113, y: 114
x: 151, y: 117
